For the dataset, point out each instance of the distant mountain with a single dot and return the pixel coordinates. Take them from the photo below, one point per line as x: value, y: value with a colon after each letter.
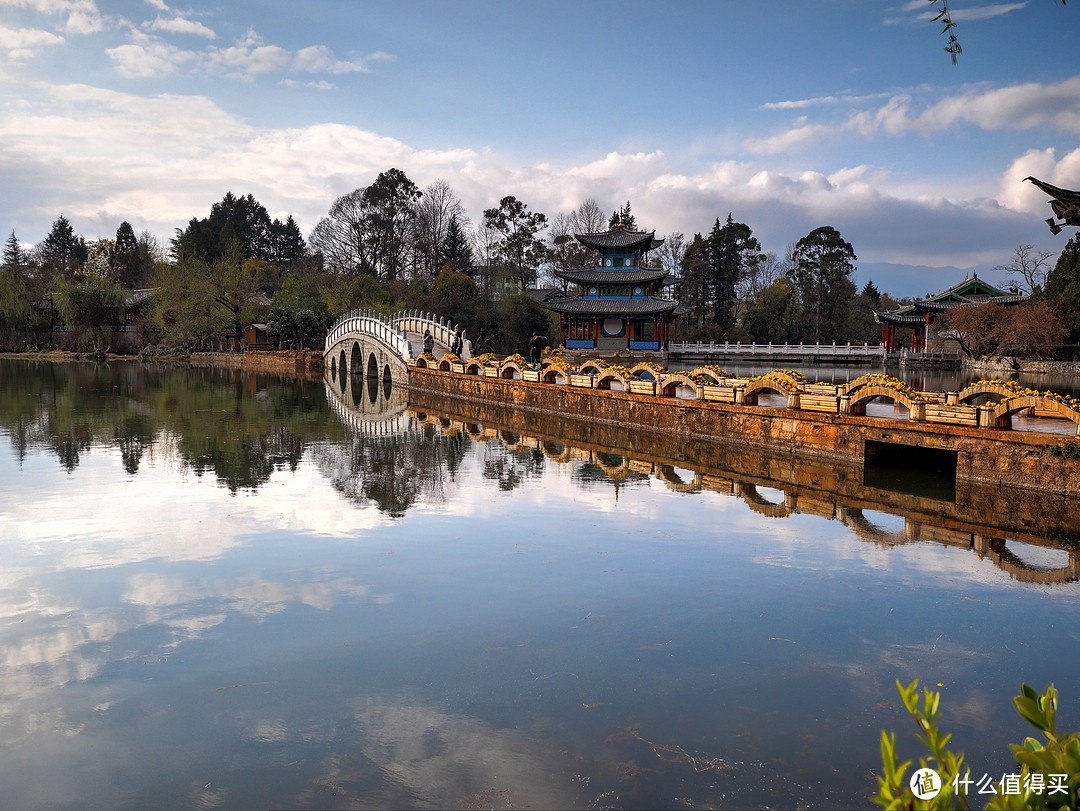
x: 916, y: 281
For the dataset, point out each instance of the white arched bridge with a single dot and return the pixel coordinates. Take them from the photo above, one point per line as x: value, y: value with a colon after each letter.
x: 369, y: 344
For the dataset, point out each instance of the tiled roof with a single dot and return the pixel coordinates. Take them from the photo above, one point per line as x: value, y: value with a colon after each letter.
x: 620, y: 238
x: 612, y: 276
x: 604, y: 306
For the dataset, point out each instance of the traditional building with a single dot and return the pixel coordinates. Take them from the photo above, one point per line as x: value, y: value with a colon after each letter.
x: 919, y: 316
x: 617, y: 304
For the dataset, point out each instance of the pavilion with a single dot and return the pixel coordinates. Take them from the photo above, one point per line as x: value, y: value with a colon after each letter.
x: 618, y: 303
x: 919, y: 316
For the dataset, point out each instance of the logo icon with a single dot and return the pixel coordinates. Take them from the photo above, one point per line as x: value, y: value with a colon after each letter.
x: 925, y: 784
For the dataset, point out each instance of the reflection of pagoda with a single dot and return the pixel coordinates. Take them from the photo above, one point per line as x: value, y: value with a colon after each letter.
x: 618, y: 303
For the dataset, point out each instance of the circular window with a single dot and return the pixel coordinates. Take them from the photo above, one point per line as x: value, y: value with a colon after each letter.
x: 593, y: 291
x: 613, y: 327
x: 607, y: 262
x: 638, y: 291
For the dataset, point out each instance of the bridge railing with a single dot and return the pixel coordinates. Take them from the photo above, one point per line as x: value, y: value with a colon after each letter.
x: 394, y: 330
x: 808, y: 350
x: 372, y: 323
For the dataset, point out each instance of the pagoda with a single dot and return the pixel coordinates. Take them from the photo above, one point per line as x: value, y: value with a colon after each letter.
x: 617, y: 304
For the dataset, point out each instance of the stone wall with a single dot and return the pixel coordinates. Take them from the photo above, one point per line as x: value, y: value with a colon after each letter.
x: 303, y: 362
x: 989, y: 456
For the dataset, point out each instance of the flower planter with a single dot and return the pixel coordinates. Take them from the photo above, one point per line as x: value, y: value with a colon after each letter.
x: 643, y: 387
x: 719, y: 394
x: 491, y: 371
x: 582, y: 381
x: 951, y: 414
x: 818, y: 389
x: 458, y: 367
x: 819, y: 402
x: 530, y: 375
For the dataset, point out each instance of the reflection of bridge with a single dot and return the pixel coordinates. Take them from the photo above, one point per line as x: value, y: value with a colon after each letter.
x: 367, y: 406
x: 962, y: 525
x: 369, y: 344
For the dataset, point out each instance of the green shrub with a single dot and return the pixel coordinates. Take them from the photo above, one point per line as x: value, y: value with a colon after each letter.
x: 1049, y: 771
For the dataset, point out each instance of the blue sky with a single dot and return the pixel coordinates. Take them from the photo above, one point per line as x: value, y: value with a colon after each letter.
x: 789, y: 115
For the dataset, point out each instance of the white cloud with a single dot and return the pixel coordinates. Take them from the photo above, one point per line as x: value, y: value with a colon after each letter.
x: 985, y: 12
x: 23, y: 43
x: 136, y: 61
x: 181, y: 25
x: 81, y: 16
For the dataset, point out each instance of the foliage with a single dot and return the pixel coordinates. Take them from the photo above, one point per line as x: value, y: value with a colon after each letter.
x: 733, y: 252
x: 62, y: 252
x: 467, y: 304
x: 89, y: 304
x: 1049, y: 774
x: 775, y: 314
x: 517, y: 244
x: 624, y: 217
x: 1062, y: 289
x: 1026, y: 330
x: 199, y: 299
x: 1069, y: 449
x: 523, y: 318
x: 822, y: 275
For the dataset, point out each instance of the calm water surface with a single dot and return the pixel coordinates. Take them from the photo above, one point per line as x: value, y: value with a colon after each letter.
x: 231, y: 591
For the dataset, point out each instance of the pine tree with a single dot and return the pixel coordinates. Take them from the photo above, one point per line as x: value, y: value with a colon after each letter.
x: 1062, y: 291
x: 455, y: 250
x: 624, y: 216
x: 14, y: 258
x: 733, y: 250
x: 62, y: 252
x: 124, y: 260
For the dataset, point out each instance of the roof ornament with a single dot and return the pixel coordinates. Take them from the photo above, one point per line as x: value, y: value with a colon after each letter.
x: 1066, y: 205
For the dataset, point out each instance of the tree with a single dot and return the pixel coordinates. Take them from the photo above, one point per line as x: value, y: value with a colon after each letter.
x: 339, y: 237
x: 200, y: 299
x: 1028, y: 267
x: 62, y: 252
x: 758, y: 277
x: 454, y: 250
x: 624, y: 217
x: 1062, y: 290
x: 692, y: 289
x: 437, y: 209
x: 286, y: 242
x: 88, y: 305
x: 944, y: 16
x: 14, y: 256
x: 370, y: 230
x: 774, y: 314
x: 126, y: 262
x: 1032, y: 330
x: 517, y: 244
x: 457, y: 297
x: 977, y: 329
x: 389, y: 213
x: 733, y: 249
x: 237, y: 226
x: 822, y: 275
x: 523, y: 318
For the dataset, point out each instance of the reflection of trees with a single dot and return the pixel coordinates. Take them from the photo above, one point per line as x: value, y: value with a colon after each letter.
x: 511, y: 468
x: 242, y: 427
x: 394, y: 470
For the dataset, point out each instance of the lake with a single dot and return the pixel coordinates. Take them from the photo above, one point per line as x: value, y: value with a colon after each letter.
x: 229, y: 590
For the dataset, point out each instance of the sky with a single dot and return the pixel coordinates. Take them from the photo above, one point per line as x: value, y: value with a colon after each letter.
x: 786, y: 114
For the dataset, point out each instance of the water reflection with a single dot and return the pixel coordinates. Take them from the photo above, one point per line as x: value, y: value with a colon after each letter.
x: 931, y: 510
x: 375, y: 603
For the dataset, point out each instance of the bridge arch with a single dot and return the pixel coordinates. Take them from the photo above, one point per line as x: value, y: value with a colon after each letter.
x: 668, y: 385
x: 867, y: 393
x: 603, y: 381
x: 1001, y: 415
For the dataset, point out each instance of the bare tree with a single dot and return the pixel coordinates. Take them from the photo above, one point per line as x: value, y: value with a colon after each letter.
x: 587, y: 218
x: 760, y: 276
x: 1028, y: 267
x: 436, y: 208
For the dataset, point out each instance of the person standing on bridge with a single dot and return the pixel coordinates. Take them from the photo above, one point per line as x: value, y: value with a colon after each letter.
x: 536, y: 348
x: 429, y: 342
x: 457, y: 344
